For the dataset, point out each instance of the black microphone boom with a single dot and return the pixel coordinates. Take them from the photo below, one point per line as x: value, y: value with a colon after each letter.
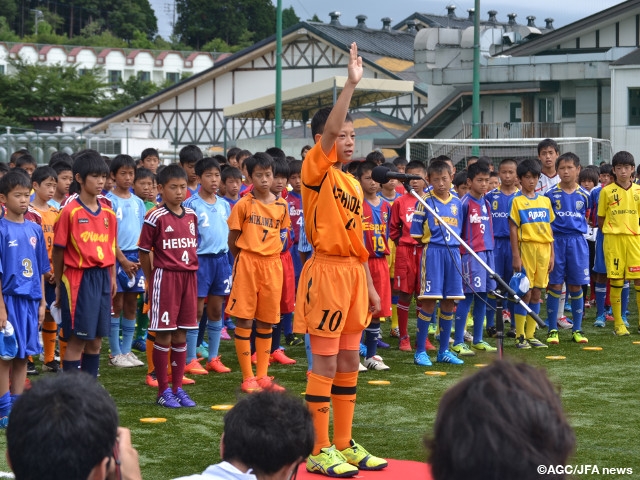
x: 382, y: 175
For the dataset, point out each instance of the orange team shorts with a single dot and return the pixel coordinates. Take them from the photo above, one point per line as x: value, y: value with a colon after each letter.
x: 380, y: 275
x: 288, y: 299
x: 407, y: 269
x: 332, y: 299
x: 256, y: 288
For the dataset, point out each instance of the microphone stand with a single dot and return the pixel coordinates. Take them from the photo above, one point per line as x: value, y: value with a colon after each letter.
x: 503, y: 286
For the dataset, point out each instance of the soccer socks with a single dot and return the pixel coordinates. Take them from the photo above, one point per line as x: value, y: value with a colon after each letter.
x: 615, y: 294
x: 151, y: 339
x: 318, y: 398
x: 394, y: 311
x: 90, y: 364
x: 403, y: 318
x: 263, y: 350
x: 563, y: 297
x: 161, y: 362
x: 446, y: 319
x: 114, y: 337
x: 422, y: 330
x: 343, y: 398
x: 178, y: 362
x: 479, y: 312
x: 577, y: 309
x: 214, y: 327
x: 128, y: 329
x: 243, y: 350
x: 530, y: 323
x: 624, y: 299
x: 461, y: 318
x: 286, y: 320
x: 70, y: 366
x: 5, y: 405
x: 49, y: 330
x: 371, y: 337
x: 520, y: 315
x: 553, y: 305
x: 276, y: 333
x: 192, y: 340
x: 601, y: 294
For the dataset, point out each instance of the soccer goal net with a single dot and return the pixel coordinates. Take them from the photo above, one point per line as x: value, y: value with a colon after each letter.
x: 590, y: 150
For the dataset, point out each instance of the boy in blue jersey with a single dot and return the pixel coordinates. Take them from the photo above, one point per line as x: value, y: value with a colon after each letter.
x: 477, y: 232
x: 500, y: 201
x: 129, y: 210
x: 23, y: 263
x: 441, y: 255
x: 570, y: 204
x: 189, y: 155
x: 531, y: 247
x: 214, y: 271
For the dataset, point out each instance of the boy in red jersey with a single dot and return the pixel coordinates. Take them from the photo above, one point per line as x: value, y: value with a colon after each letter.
x: 408, y: 252
x: 84, y: 258
x: 171, y: 232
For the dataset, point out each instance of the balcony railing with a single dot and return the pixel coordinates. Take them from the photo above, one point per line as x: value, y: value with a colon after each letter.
x: 515, y: 130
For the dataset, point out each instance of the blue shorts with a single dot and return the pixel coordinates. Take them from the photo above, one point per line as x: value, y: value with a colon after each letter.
x: 123, y: 278
x: 85, y: 303
x: 214, y: 275
x: 571, y: 261
x: 503, y: 258
x: 475, y: 278
x: 297, y: 263
x: 22, y: 312
x: 599, y: 265
x: 440, y: 271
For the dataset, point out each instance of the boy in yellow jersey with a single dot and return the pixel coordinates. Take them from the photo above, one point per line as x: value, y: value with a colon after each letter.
x: 336, y: 296
x: 256, y: 227
x: 531, y: 246
x: 618, y: 219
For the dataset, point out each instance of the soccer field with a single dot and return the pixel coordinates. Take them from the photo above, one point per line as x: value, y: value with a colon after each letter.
x: 598, y: 388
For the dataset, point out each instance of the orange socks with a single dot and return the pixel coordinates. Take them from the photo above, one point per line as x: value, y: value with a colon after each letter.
x: 49, y: 331
x: 263, y: 350
x: 318, y: 399
x: 343, y: 398
x: 243, y: 351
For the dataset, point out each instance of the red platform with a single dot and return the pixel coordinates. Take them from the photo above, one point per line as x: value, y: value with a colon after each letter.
x: 397, y: 469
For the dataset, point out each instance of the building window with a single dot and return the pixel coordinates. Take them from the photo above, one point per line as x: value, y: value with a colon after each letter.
x: 173, y: 77
x: 1, y: 69
x: 568, y: 108
x: 144, y: 76
x: 546, y: 113
x: 115, y: 77
x: 634, y: 107
x: 515, y: 112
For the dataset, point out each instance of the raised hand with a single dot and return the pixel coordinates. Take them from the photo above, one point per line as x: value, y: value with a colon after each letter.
x: 355, y: 65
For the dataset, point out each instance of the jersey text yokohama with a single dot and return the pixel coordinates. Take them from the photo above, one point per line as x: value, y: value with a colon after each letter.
x: 332, y: 203
x: 570, y: 210
x: 500, y: 209
x: 172, y: 238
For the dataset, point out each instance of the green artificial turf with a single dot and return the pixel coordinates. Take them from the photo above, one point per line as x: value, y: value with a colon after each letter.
x: 599, y: 391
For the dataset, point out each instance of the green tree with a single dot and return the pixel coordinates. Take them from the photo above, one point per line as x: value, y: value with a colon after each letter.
x: 131, y: 91
x: 315, y: 18
x: 289, y: 18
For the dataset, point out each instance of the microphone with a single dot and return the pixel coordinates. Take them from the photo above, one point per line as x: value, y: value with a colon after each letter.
x: 382, y: 175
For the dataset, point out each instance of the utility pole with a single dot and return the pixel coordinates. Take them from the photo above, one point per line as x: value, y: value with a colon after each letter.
x: 38, y: 17
x: 278, y: 113
x: 475, y: 118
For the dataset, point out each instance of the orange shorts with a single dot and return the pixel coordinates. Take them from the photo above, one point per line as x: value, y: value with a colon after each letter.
x: 332, y: 297
x: 256, y: 288
x: 329, y: 346
x: 380, y: 275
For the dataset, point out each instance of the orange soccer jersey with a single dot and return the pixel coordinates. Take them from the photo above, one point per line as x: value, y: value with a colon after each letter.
x: 332, y: 203
x: 49, y: 217
x: 260, y: 225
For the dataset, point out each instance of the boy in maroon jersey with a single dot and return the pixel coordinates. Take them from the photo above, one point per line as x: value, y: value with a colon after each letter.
x: 171, y: 232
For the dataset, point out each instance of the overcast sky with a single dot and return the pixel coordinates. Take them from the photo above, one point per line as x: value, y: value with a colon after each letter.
x: 563, y: 11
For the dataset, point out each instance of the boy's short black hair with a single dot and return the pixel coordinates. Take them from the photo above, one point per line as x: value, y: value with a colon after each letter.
x: 206, y: 164
x: 170, y: 172
x: 620, y: 158
x: 365, y: 167
x: 41, y: 174
x: 190, y: 154
x: 142, y: 173
x: 529, y: 165
x: 232, y: 152
x: 149, y: 152
x: 4, y: 167
x: 320, y: 119
x: 391, y: 167
x: 26, y: 159
x: 460, y: 178
x: 61, y: 166
x: 352, y: 167
x: 89, y: 162
x: 122, y: 161
x: 221, y: 159
x: 494, y: 174
x: 507, y: 160
x: 260, y: 159
x: 295, y: 167
x: 478, y: 168
x: 568, y: 157
x: 376, y: 157
x: 589, y: 174
x: 243, y: 153
x: 415, y: 165
x: 231, y: 172
x: 442, y: 158
x: 276, y: 153
x: 605, y: 169
x: 60, y: 156
x: 548, y: 142
x: 16, y: 177
x: 439, y: 165
x: 17, y: 154
x: 280, y: 168
x: 400, y: 161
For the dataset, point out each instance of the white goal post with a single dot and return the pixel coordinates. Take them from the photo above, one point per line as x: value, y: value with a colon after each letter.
x: 590, y: 150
